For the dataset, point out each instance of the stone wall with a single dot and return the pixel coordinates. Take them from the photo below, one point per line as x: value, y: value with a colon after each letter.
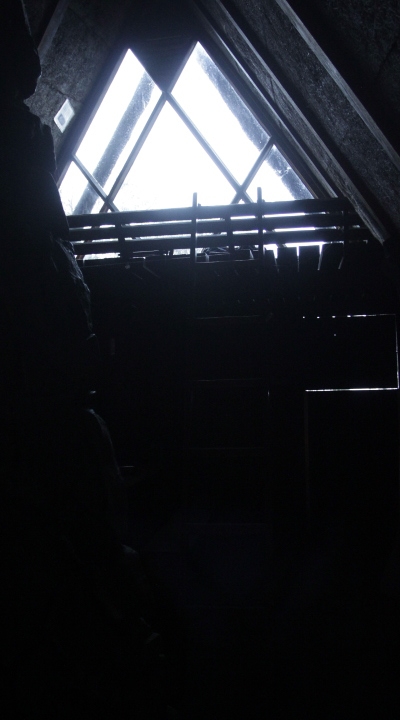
x: 79, y: 51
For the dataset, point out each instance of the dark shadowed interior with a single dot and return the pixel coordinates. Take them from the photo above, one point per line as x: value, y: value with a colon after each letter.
x: 251, y: 396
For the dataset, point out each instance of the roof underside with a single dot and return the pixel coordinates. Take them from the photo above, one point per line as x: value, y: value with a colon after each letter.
x: 326, y: 78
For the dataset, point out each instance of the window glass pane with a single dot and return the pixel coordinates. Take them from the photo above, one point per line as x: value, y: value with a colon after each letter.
x: 144, y: 102
x: 118, y: 122
x: 72, y: 187
x: 277, y: 180
x: 219, y: 113
x: 170, y: 167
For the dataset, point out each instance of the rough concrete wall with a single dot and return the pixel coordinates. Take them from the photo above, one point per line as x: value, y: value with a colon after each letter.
x: 369, y: 33
x: 369, y: 28
x: 37, y: 11
x: 361, y: 39
x: 327, y: 122
x: 79, y: 51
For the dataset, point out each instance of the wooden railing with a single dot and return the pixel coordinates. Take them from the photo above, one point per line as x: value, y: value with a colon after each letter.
x: 256, y: 225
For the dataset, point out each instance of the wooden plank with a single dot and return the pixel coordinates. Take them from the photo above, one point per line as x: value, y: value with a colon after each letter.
x: 165, y: 244
x: 265, y: 60
x: 219, y: 227
x: 283, y: 207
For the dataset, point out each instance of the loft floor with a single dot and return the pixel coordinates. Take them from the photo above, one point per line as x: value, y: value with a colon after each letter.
x: 263, y: 612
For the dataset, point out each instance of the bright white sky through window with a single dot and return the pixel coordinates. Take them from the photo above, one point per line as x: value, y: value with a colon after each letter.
x: 206, y: 107
x: 168, y: 168
x: 110, y: 112
x: 172, y: 164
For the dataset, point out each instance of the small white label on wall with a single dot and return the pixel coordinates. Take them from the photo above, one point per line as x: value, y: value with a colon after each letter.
x: 64, y: 115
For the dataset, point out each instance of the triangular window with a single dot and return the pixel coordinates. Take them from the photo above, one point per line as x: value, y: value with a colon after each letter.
x: 148, y: 149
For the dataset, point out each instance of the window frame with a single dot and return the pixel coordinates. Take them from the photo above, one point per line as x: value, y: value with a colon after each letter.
x: 256, y: 107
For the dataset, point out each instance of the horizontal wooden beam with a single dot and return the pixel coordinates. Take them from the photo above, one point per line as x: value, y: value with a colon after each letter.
x: 284, y: 207
x: 205, y: 228
x: 167, y: 243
